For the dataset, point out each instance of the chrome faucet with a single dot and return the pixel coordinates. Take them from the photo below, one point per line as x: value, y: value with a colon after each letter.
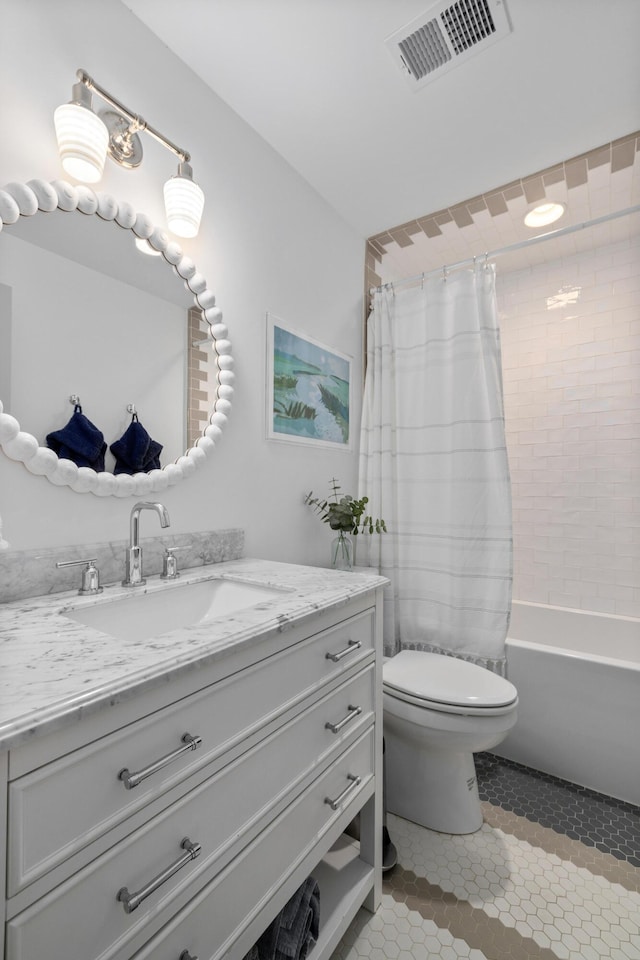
x: 133, y: 570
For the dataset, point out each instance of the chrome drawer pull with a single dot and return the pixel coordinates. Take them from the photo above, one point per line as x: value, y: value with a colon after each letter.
x: 355, y: 782
x: 132, y: 780
x: 353, y: 645
x: 337, y: 727
x: 185, y: 955
x: 131, y: 901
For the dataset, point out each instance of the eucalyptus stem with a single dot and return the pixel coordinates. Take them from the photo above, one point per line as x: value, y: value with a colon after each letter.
x: 345, y: 513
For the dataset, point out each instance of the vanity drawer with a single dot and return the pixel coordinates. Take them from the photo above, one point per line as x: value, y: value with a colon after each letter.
x: 58, y: 809
x: 223, y: 814
x: 210, y: 924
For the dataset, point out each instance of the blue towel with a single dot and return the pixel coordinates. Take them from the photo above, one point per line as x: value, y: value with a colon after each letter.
x: 135, y: 451
x: 80, y: 441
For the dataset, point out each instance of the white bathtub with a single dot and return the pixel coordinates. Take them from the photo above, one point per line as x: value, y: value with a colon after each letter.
x: 578, y: 680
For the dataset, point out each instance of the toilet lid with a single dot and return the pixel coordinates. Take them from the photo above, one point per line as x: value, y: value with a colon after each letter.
x: 446, y: 680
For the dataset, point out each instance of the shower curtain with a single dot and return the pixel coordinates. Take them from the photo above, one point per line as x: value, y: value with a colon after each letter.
x: 433, y: 462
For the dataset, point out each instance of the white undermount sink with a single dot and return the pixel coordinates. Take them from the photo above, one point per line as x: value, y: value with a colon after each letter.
x: 141, y: 616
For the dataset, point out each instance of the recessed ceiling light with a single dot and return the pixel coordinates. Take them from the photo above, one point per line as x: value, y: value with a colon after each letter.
x: 544, y: 214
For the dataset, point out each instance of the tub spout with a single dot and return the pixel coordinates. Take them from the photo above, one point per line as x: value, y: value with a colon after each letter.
x: 133, y: 561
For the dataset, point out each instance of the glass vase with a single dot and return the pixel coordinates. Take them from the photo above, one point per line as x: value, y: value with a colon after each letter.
x: 342, y: 552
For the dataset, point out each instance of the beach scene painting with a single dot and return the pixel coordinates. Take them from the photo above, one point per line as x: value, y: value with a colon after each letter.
x: 309, y: 389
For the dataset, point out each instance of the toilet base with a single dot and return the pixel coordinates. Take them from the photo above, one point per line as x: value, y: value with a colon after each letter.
x: 436, y: 789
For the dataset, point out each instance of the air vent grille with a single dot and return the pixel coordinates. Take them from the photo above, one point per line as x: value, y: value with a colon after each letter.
x: 468, y: 23
x: 425, y: 50
x: 445, y: 35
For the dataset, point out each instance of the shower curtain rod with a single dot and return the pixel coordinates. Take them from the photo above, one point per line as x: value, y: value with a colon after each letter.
x: 563, y: 231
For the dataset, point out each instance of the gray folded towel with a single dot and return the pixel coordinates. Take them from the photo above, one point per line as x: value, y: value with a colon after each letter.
x: 299, y: 923
x: 294, y: 931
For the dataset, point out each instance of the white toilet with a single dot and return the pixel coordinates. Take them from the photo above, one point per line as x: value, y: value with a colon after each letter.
x: 439, y: 711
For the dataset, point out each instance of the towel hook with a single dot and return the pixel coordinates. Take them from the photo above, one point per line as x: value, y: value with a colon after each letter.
x: 131, y: 408
x: 74, y: 399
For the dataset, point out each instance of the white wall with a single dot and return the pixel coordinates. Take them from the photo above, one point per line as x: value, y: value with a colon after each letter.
x: 268, y: 242
x: 572, y: 399
x: 85, y: 303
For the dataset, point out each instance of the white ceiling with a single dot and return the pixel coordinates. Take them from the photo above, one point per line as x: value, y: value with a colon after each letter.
x: 315, y: 80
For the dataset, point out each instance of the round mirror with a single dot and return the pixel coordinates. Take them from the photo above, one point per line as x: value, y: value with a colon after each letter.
x: 50, y: 208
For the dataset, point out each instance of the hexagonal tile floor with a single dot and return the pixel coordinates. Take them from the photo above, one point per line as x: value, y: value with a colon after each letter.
x: 553, y: 874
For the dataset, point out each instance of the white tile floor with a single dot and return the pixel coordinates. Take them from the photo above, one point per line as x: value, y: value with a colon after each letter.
x: 497, y: 891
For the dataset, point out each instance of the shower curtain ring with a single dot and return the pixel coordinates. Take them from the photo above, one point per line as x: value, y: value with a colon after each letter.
x: 444, y: 274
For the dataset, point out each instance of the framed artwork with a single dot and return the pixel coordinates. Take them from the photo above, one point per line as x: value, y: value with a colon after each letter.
x: 309, y: 388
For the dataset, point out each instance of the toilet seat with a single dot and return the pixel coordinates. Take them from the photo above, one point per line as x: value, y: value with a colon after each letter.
x: 435, y: 681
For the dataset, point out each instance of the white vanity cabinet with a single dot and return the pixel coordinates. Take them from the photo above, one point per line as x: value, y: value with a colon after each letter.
x: 177, y: 822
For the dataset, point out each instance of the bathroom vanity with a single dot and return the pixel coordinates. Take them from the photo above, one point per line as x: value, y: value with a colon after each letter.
x: 164, y: 797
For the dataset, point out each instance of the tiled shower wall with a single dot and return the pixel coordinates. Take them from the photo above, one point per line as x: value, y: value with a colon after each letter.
x: 571, y: 361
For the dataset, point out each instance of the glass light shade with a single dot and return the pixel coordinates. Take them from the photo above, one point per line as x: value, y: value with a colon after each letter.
x: 544, y: 214
x: 184, y: 203
x: 82, y: 141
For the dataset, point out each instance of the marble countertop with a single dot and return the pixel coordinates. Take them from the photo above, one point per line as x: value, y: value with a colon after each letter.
x: 54, y: 671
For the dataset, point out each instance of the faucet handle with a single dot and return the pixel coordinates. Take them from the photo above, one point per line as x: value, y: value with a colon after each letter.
x: 170, y: 564
x: 90, y: 575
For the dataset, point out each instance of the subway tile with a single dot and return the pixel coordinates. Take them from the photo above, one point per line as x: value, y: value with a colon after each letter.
x: 549, y: 422
x: 533, y: 189
x: 622, y: 155
x: 623, y: 344
x: 614, y: 474
x: 612, y: 447
x: 553, y: 175
x: 598, y: 604
x: 576, y: 172
x: 627, y: 609
x: 582, y: 392
x: 622, y: 410
x: 626, y: 432
x: 401, y: 238
x: 606, y: 377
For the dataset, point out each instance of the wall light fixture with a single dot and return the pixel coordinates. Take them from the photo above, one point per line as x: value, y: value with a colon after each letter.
x: 85, y: 138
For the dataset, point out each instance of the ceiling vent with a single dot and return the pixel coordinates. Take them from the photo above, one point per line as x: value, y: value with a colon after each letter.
x: 446, y: 35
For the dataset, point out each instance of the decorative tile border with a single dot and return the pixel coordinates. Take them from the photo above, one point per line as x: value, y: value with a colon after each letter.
x: 463, y: 922
x: 595, y: 861
x: 574, y: 172
x: 514, y: 890
x: 199, y: 404
x: 598, y: 822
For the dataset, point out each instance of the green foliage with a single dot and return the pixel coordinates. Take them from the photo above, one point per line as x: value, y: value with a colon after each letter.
x: 284, y: 381
x: 297, y: 410
x: 333, y: 403
x: 344, y: 513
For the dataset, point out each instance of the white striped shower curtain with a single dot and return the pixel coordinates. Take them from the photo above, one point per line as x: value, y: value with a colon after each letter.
x: 433, y: 462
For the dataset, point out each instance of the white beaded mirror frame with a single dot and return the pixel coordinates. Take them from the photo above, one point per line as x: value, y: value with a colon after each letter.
x: 39, y: 196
